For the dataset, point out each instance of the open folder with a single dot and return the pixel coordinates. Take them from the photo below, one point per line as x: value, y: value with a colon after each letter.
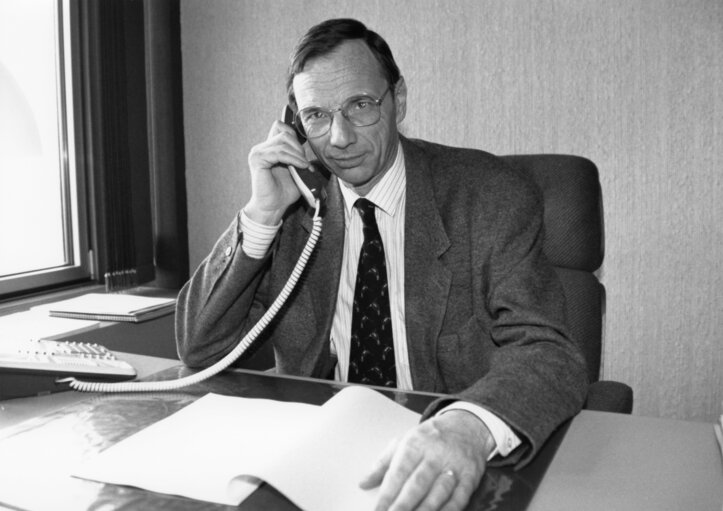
x: 220, y: 448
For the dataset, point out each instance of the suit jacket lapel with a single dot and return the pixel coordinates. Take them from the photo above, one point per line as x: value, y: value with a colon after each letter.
x: 427, y: 281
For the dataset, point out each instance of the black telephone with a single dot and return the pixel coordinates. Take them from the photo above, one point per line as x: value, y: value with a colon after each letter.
x: 311, y: 181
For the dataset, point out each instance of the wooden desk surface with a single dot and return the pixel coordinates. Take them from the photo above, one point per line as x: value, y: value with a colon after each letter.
x: 604, y: 461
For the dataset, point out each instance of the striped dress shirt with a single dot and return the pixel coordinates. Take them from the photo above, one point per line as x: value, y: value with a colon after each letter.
x: 389, y: 197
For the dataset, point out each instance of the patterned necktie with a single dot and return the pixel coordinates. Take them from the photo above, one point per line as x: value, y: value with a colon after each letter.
x: 371, y: 359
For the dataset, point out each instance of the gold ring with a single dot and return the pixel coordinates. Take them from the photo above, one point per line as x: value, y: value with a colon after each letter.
x: 450, y: 473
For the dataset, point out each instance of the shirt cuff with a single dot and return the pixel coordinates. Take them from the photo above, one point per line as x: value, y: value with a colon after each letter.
x: 257, y: 238
x: 505, y: 439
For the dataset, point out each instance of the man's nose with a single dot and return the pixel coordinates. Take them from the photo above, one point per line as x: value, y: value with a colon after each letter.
x: 341, y: 131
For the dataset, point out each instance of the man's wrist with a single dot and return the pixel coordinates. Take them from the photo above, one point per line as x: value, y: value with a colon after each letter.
x: 261, y: 216
x: 505, y: 440
x: 257, y: 237
x: 486, y: 439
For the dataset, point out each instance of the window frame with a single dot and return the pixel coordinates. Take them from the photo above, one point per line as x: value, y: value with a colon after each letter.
x: 79, y: 260
x: 125, y: 59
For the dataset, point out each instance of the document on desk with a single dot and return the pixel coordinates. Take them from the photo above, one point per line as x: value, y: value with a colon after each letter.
x: 220, y: 448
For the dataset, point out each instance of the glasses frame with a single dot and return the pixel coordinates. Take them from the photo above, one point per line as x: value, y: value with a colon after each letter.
x: 299, y: 125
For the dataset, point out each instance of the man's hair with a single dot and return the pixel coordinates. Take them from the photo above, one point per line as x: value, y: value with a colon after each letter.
x: 325, y: 37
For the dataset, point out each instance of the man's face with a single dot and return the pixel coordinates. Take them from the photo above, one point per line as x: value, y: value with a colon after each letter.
x: 358, y: 156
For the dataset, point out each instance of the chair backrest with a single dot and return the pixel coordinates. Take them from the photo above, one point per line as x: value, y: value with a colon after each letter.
x: 574, y: 240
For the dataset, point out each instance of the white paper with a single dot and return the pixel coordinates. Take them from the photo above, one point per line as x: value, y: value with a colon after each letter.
x: 199, y: 450
x: 316, y: 456
x: 340, y: 446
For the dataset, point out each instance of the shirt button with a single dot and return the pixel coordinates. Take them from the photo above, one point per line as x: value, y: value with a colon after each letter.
x: 228, y: 251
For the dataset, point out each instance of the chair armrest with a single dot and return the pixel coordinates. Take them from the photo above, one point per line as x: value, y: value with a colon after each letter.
x: 609, y: 396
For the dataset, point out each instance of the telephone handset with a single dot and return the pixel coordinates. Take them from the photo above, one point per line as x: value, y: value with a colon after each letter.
x: 311, y: 181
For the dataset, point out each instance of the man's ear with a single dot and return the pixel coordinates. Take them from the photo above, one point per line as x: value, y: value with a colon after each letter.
x: 400, y: 99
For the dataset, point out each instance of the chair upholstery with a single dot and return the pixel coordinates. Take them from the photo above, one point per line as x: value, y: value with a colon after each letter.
x: 575, y: 245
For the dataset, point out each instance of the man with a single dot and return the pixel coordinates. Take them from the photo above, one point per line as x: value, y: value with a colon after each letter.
x: 473, y: 308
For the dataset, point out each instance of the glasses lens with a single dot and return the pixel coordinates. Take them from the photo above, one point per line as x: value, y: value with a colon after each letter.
x: 359, y: 111
x: 362, y: 111
x: 315, y: 122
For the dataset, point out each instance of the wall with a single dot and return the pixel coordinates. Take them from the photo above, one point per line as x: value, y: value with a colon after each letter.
x: 637, y: 86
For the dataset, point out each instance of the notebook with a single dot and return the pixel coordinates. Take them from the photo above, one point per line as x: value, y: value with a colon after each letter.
x: 112, y: 307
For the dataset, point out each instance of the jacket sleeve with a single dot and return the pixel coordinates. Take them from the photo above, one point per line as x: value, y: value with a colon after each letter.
x: 536, y: 378
x: 222, y: 300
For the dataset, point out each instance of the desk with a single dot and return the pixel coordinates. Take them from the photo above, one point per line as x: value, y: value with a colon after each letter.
x: 604, y: 461
x: 610, y: 461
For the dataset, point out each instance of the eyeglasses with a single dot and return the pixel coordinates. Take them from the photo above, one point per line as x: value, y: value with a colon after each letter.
x: 358, y: 110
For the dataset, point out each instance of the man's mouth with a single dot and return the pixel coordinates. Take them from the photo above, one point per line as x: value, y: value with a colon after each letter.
x: 347, y: 162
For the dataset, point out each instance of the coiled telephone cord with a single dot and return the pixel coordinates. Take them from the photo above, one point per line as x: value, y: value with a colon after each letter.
x: 230, y: 358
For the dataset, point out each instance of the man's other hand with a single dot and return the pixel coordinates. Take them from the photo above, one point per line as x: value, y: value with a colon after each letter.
x: 435, y: 466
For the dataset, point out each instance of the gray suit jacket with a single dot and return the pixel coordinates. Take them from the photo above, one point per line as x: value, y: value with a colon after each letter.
x: 484, y: 310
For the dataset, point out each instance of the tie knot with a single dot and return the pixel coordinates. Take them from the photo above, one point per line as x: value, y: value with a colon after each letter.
x: 366, y: 211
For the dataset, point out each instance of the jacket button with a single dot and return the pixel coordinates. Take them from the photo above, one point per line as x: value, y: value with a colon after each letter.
x: 228, y: 251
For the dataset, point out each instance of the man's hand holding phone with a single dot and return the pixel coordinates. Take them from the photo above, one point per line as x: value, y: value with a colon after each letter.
x: 272, y: 188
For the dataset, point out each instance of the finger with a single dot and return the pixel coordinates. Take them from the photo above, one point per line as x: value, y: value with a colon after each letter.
x: 440, y: 492
x: 400, y: 469
x: 272, y: 153
x: 288, y: 142
x: 291, y: 157
x: 281, y: 127
x: 460, y: 496
x: 419, y: 485
x: 376, y: 475
x: 282, y: 133
x: 278, y: 127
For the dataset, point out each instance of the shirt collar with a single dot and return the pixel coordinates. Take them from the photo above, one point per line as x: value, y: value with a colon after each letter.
x: 387, y: 193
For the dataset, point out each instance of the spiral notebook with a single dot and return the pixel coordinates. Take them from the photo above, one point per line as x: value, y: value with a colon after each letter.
x: 112, y: 307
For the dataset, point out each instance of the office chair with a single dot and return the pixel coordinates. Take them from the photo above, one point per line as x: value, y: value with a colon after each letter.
x: 575, y: 245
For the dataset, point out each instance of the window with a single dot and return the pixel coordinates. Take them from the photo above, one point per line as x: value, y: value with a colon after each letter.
x: 43, y: 232
x: 92, y: 173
